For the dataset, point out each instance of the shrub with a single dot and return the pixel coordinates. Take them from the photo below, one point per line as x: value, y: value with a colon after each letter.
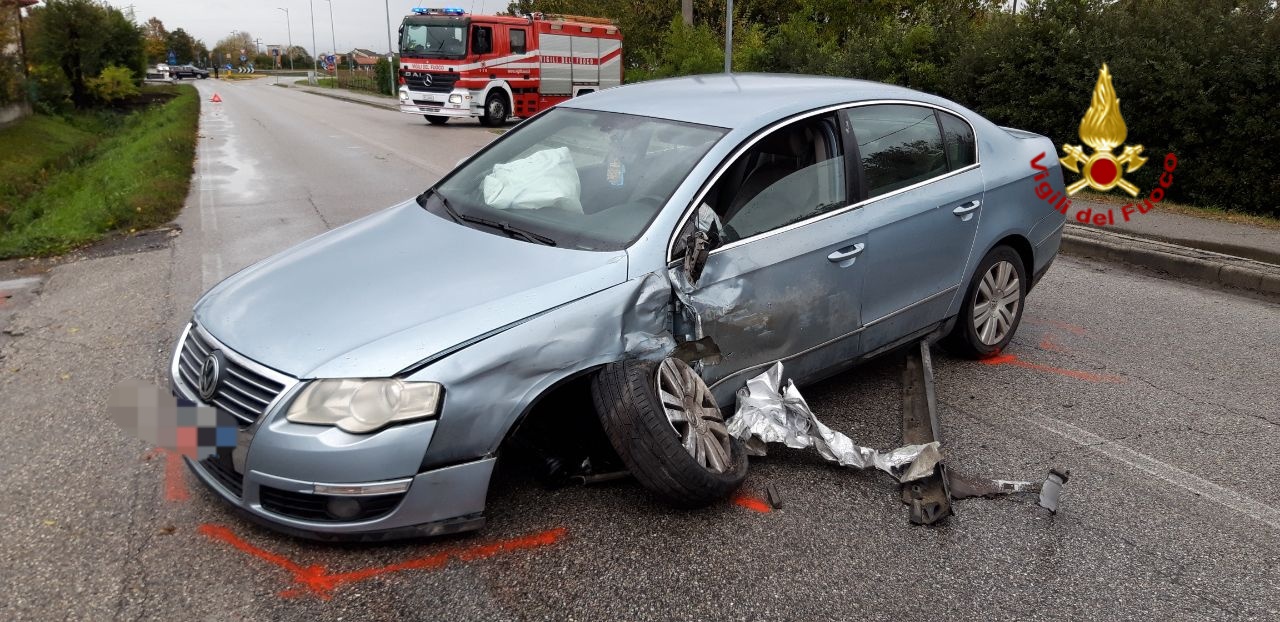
x: 113, y: 84
x: 49, y: 90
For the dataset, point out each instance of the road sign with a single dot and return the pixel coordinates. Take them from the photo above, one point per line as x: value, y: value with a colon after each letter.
x: 173, y: 58
x: 331, y: 59
x: 243, y: 58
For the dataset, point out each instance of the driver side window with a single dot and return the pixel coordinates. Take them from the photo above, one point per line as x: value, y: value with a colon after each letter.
x: 792, y: 174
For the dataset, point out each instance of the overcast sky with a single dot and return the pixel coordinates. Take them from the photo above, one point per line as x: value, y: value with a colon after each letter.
x: 357, y: 23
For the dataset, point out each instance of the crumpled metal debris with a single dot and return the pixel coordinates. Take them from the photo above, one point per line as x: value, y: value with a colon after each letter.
x: 772, y: 412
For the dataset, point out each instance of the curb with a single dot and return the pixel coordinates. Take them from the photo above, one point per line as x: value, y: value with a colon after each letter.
x: 344, y: 98
x: 1180, y: 261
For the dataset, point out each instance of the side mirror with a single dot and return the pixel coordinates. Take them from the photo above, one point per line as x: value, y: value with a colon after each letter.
x: 696, y: 248
x: 701, y: 234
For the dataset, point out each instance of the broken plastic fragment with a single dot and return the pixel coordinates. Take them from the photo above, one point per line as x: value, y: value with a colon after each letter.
x: 769, y: 412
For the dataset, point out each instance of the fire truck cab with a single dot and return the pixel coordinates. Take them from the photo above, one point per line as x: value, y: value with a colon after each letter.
x: 453, y: 64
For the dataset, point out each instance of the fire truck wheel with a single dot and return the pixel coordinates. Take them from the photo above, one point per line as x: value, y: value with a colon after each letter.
x: 496, y: 110
x: 436, y: 119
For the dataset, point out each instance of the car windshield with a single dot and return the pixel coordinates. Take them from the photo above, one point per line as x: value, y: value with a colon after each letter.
x: 433, y: 40
x: 575, y: 178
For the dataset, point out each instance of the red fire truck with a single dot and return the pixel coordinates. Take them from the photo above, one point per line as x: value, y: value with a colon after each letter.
x: 495, y: 67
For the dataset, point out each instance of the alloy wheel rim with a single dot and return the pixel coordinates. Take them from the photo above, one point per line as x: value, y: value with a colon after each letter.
x: 694, y: 416
x: 995, y: 303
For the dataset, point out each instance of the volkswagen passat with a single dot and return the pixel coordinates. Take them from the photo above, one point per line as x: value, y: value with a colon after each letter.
x: 653, y: 245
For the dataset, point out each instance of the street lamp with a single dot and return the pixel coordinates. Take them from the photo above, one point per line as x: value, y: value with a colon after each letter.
x: 390, y: 51
x: 288, y: 24
x: 315, y: 60
x: 334, y: 36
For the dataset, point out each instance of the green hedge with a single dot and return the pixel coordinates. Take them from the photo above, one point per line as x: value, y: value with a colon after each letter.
x: 1200, y: 78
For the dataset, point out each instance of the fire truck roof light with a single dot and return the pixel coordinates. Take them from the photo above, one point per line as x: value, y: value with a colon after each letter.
x: 445, y: 11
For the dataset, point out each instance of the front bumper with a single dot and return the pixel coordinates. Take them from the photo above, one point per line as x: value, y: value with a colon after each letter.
x: 437, y: 104
x: 271, y: 474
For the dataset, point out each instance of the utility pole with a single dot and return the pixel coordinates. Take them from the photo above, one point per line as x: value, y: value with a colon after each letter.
x: 334, y: 35
x: 391, y: 63
x: 288, y: 24
x: 315, y: 59
x: 686, y: 11
x: 728, y: 38
x: 257, y: 46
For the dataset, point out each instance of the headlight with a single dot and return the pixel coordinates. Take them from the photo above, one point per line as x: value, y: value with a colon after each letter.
x: 360, y: 406
x: 404, y: 95
x: 455, y: 99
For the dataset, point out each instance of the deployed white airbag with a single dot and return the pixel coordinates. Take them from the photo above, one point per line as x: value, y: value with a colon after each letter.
x: 546, y: 178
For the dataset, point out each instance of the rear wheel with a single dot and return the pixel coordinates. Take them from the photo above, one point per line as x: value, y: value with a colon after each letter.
x: 496, y: 110
x: 666, y: 426
x: 992, y: 306
x: 436, y: 119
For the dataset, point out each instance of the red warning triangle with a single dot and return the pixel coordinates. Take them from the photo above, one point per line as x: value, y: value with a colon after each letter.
x: 215, y: 98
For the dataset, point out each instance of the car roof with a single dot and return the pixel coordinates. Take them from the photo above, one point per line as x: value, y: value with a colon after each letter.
x: 742, y: 100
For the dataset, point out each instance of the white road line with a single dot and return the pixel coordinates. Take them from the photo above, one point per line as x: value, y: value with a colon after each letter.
x: 1201, y: 487
x: 24, y: 283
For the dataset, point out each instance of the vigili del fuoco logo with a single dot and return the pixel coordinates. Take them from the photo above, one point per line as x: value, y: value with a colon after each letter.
x: 1103, y: 130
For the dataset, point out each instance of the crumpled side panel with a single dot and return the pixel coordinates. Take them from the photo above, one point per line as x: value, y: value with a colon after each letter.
x: 770, y: 411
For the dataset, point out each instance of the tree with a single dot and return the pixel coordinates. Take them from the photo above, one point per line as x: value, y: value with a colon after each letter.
x: 182, y: 45
x: 301, y: 59
x: 156, y: 41
x: 228, y: 48
x: 81, y: 38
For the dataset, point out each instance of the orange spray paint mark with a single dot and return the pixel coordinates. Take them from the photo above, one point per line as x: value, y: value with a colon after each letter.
x: 1010, y: 359
x: 1048, y: 344
x: 175, y: 487
x: 319, y: 581
x: 755, y: 504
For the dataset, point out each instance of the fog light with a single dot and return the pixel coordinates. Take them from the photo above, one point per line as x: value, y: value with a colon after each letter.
x: 343, y: 507
x: 455, y: 99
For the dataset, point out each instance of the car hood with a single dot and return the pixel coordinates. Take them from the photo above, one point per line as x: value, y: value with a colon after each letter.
x: 374, y: 297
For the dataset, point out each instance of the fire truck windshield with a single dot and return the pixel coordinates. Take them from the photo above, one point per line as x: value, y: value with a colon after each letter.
x: 574, y: 178
x: 433, y: 40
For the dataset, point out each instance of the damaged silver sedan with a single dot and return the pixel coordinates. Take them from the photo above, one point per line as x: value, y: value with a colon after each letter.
x: 639, y: 252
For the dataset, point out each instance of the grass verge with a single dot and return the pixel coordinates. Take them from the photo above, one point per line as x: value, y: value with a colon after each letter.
x: 137, y: 176
x: 36, y: 148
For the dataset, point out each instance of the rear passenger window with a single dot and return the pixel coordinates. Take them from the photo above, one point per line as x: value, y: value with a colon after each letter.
x: 899, y: 146
x: 957, y: 137
x: 517, y: 41
x: 793, y: 174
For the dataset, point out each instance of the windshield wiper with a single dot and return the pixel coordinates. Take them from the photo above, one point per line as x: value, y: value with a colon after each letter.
x: 504, y: 227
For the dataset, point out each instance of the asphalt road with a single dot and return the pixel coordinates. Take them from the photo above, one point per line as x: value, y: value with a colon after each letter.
x: 1160, y: 397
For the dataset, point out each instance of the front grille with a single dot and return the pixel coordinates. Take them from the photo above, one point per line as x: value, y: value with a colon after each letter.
x: 242, y: 392
x: 440, y: 82
x: 307, y: 506
x: 423, y: 102
x: 219, y: 466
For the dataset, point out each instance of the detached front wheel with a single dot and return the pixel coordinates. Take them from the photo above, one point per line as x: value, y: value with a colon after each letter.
x: 666, y: 426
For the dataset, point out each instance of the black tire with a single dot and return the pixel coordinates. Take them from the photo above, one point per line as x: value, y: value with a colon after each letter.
x: 436, y: 119
x: 626, y: 398
x: 964, y: 339
x: 496, y: 110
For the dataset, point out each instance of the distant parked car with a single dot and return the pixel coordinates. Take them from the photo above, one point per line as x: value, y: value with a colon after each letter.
x: 160, y: 74
x: 189, y: 71
x: 662, y: 242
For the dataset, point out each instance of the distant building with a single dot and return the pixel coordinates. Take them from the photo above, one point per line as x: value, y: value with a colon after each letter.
x: 360, y: 59
x: 13, y: 92
x: 278, y: 55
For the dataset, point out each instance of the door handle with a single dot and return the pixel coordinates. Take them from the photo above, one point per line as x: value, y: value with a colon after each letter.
x: 965, y: 208
x: 848, y: 252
